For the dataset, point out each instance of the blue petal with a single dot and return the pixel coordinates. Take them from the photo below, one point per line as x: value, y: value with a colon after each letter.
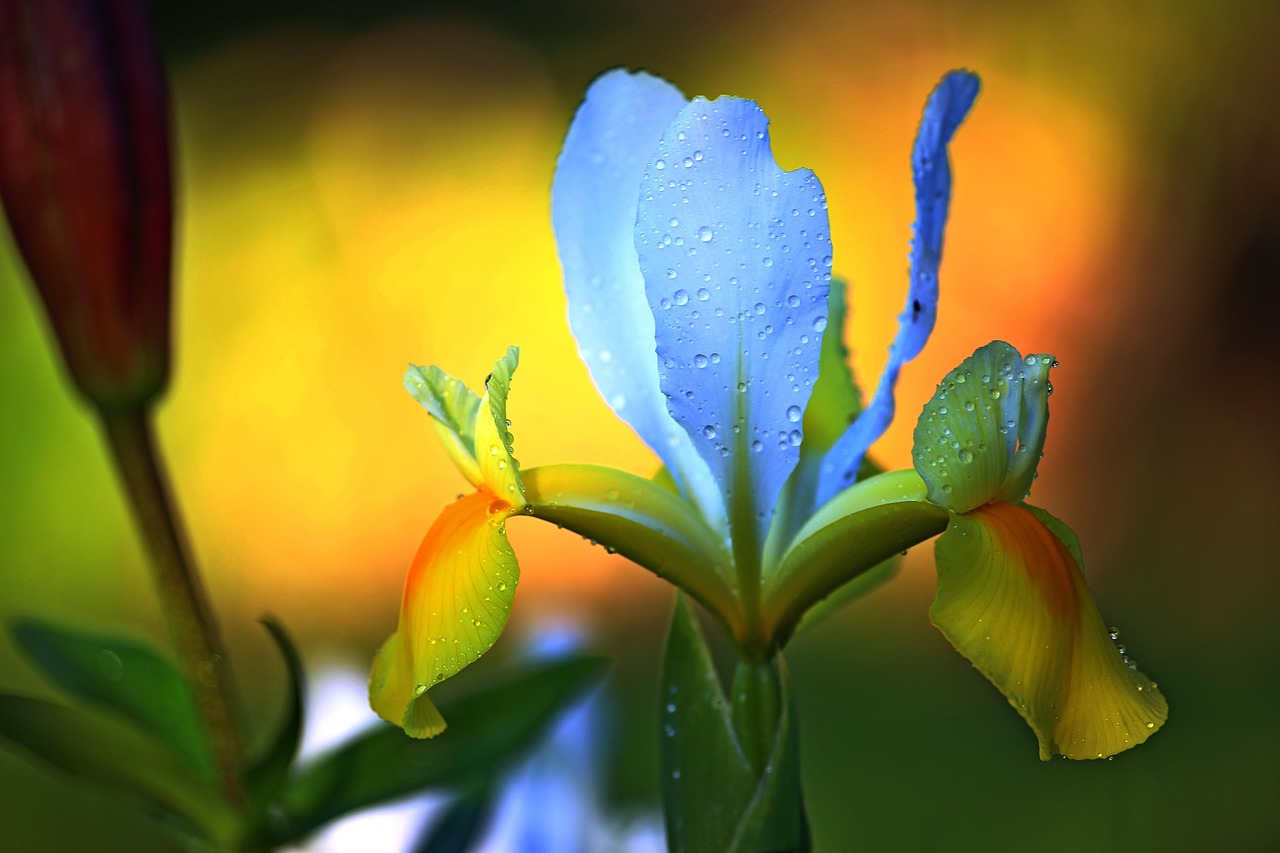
x: 736, y: 255
x: 946, y: 109
x: 593, y: 210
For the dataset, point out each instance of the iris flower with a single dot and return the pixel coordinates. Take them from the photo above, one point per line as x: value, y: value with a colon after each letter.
x: 698, y: 274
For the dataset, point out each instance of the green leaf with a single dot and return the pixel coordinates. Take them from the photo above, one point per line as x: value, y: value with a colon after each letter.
x: 713, y: 797
x: 488, y: 729
x: 980, y: 437
x: 116, y: 757
x: 267, y: 775
x: 854, y: 532
x: 462, y: 824
x: 125, y: 678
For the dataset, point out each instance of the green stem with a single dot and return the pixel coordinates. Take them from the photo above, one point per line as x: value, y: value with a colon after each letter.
x: 182, y: 596
x: 756, y: 710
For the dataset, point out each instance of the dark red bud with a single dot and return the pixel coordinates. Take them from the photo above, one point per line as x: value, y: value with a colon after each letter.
x: 86, y: 185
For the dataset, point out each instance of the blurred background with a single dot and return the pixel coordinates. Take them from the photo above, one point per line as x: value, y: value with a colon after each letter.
x: 365, y: 185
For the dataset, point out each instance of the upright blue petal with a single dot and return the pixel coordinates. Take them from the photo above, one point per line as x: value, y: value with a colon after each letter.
x: 945, y: 110
x: 593, y: 210
x: 736, y: 255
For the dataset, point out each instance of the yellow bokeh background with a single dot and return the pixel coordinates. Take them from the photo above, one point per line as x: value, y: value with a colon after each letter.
x: 356, y: 197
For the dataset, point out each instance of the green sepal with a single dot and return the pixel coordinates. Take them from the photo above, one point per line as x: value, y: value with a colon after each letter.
x: 642, y: 521
x: 124, y: 678
x: 981, y: 435
x: 854, y: 532
x: 120, y: 759
x: 266, y: 776
x: 488, y: 728
x: 713, y: 796
x: 453, y: 407
x: 493, y: 439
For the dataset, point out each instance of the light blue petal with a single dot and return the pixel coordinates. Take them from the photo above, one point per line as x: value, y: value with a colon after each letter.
x: 945, y: 110
x: 593, y: 210
x: 736, y: 255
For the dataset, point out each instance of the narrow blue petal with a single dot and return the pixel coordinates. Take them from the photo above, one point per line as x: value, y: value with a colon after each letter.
x: 736, y: 255
x: 931, y: 170
x: 593, y: 211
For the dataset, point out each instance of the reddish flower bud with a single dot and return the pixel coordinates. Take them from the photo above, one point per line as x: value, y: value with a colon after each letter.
x: 85, y: 181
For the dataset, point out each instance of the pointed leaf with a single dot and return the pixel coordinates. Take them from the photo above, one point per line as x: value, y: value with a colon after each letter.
x: 116, y: 757
x: 736, y: 255
x: 946, y: 108
x: 1013, y: 600
x: 268, y: 774
x: 122, y: 677
x: 456, y: 601
x: 593, y: 209
x: 489, y: 728
x: 981, y: 435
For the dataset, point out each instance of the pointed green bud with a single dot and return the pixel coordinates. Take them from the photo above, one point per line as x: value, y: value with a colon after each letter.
x: 981, y: 436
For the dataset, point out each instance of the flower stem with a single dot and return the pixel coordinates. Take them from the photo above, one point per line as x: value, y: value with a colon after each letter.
x: 184, y: 603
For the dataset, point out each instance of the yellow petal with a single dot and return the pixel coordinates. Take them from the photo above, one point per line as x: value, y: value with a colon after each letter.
x: 1012, y: 599
x: 456, y: 601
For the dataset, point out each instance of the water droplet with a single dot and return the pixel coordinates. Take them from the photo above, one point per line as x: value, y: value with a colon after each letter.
x: 419, y: 689
x: 110, y: 665
x: 501, y: 585
x: 681, y: 297
x: 1114, y: 633
x: 715, y: 358
x: 966, y: 456
x: 793, y: 414
x: 703, y: 294
x: 659, y: 164
x: 819, y: 323
x: 671, y: 273
x: 709, y: 431
x: 705, y: 234
x: 968, y: 406
x: 757, y: 446
x: 795, y: 437
x: 699, y: 360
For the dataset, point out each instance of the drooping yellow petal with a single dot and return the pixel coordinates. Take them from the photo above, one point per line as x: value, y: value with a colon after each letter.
x: 456, y: 601
x: 1012, y: 599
